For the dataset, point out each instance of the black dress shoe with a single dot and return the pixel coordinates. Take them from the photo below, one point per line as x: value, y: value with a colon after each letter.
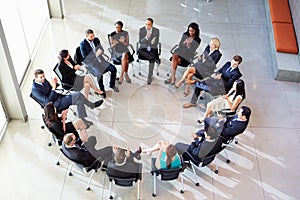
x: 87, y: 123
x: 200, y: 122
x: 103, y: 95
x: 149, y: 80
x: 98, y: 103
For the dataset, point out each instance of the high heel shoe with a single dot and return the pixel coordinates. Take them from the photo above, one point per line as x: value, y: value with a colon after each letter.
x: 176, y: 86
x: 128, y: 80
x: 185, y: 94
x: 120, y: 81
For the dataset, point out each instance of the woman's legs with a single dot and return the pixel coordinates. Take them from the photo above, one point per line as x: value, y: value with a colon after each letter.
x: 88, y: 83
x: 174, y: 63
x: 79, y: 124
x: 160, y: 144
x: 186, y: 74
x: 208, y: 111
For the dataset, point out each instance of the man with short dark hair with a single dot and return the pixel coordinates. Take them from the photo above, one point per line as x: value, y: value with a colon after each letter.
x: 149, y: 39
x: 220, y: 83
x: 92, y: 53
x: 45, y: 93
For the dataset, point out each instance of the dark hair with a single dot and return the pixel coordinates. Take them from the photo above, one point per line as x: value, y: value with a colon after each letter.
x: 120, y: 155
x: 194, y: 26
x: 37, y: 72
x: 150, y: 19
x: 50, y: 114
x: 237, y: 58
x: 240, y: 89
x: 119, y: 23
x: 63, y: 54
x: 246, y: 112
x: 170, y: 152
x: 89, y: 31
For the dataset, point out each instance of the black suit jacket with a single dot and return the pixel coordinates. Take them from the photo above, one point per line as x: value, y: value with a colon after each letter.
x: 215, y: 55
x: 68, y: 73
x: 79, y: 154
x: 229, y: 77
x: 147, y: 42
x: 87, y: 51
x: 45, y: 94
x: 233, y: 127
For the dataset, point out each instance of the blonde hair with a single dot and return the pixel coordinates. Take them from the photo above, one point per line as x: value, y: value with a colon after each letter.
x: 216, y: 42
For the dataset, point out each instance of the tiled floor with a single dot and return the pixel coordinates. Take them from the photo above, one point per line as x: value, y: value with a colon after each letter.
x: 263, y: 164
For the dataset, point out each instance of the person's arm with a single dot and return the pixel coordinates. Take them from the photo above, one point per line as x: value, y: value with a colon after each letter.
x: 233, y: 105
x: 126, y: 41
x: 155, y: 38
x: 233, y: 129
x: 142, y: 37
x: 66, y: 73
x: 235, y: 77
x: 83, y: 49
x: 113, y: 42
x: 64, y: 114
x: 157, y: 162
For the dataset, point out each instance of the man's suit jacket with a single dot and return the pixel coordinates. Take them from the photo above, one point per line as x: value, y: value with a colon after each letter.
x: 87, y: 51
x: 45, y: 94
x: 144, y: 42
x: 233, y: 127
x: 128, y: 170
x: 228, y: 76
x: 79, y: 154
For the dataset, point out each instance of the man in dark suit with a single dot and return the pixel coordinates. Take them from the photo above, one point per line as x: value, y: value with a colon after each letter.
x: 225, y: 77
x: 124, y: 165
x: 205, y: 142
x: 92, y: 53
x: 45, y: 93
x: 83, y: 153
x: 149, y: 39
x: 237, y: 124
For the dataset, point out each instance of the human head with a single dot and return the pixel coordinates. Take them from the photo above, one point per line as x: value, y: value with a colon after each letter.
x: 244, y: 113
x: 214, y: 43
x: 236, y: 60
x: 119, y: 26
x: 69, y: 139
x: 39, y: 75
x: 239, y: 88
x: 50, y: 112
x: 149, y: 23
x: 170, y: 152
x: 120, y: 155
x: 89, y: 33
x: 63, y: 54
x: 193, y: 30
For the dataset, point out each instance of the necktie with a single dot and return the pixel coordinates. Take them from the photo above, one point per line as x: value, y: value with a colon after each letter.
x: 93, y: 46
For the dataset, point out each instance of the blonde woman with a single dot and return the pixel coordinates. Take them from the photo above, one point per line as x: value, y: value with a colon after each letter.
x: 204, y: 67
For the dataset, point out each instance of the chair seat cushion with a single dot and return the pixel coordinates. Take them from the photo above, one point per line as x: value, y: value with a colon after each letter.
x: 285, y: 38
x: 280, y: 11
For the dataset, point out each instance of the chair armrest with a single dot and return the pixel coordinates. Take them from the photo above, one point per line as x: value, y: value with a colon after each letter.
x: 173, y: 49
x: 159, y: 48
x: 132, y: 49
x: 106, y: 56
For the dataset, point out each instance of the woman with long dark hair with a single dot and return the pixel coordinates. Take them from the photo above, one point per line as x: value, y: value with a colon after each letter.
x: 58, y: 125
x: 229, y: 101
x: 183, y: 55
x: 68, y: 68
x: 167, y: 158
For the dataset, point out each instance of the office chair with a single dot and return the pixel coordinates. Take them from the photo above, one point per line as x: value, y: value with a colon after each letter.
x: 140, y: 57
x: 111, y: 50
x: 166, y: 175
x: 172, y: 51
x: 66, y: 87
x: 197, y: 163
x: 85, y: 170
x: 124, y: 182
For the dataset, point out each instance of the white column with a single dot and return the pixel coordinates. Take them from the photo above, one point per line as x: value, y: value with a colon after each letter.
x: 56, y: 8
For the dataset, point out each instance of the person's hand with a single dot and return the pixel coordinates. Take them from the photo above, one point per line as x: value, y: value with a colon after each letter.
x: 127, y: 153
x: 115, y: 148
x: 153, y: 40
x: 84, y: 136
x: 122, y: 39
x: 216, y: 76
x: 148, y: 35
x: 221, y: 117
x: 99, y: 52
x: 77, y: 67
x: 53, y: 83
x: 64, y: 114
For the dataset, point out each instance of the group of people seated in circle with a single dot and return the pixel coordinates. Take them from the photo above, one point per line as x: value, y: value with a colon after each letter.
x: 224, y: 88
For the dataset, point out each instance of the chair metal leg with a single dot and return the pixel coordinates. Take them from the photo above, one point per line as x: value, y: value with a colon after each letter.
x: 226, y: 155
x: 140, y: 68
x: 90, y: 179
x: 157, y: 66
x: 70, y: 169
x: 110, y: 196
x: 195, y: 175
x: 154, y: 185
x: 182, y: 185
x: 58, y: 158
x: 138, y: 189
x: 50, y: 139
x: 216, y: 163
x: 132, y: 69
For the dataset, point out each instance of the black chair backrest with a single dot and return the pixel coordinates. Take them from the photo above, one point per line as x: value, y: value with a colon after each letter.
x: 78, y: 57
x: 128, y: 182
x: 35, y: 99
x: 169, y: 174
